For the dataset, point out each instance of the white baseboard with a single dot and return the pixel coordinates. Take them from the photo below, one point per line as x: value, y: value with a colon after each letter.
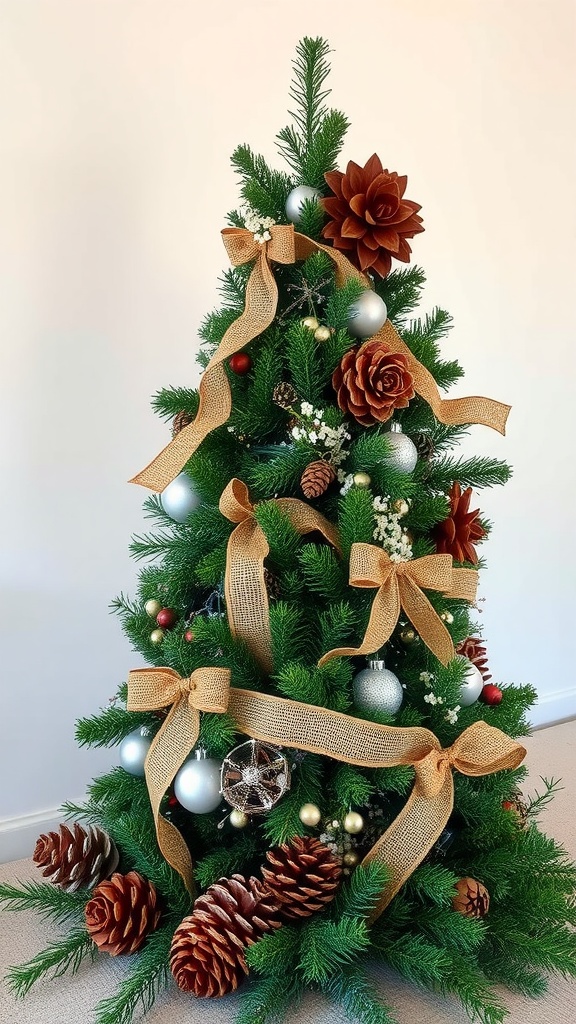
x: 18, y: 835
x: 554, y: 707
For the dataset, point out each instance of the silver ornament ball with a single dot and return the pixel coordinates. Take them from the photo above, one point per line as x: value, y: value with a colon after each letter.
x: 367, y: 315
x: 377, y: 689
x: 471, y: 688
x: 296, y: 200
x: 179, y: 499
x: 403, y: 452
x: 197, y: 785
x: 133, y: 750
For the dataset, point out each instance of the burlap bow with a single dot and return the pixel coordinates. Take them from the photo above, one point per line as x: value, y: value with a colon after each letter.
x: 288, y: 246
x: 479, y: 750
x: 400, y: 587
x: 244, y: 583
x: 149, y: 689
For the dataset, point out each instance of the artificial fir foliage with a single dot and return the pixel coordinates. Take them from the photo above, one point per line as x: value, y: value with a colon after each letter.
x: 265, y: 600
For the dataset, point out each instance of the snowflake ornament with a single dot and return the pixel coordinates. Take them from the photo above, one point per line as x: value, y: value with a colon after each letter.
x: 254, y: 777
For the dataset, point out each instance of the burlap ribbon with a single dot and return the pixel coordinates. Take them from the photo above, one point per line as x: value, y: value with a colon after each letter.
x: 479, y: 750
x: 400, y: 587
x: 244, y: 583
x: 287, y: 246
x: 149, y: 689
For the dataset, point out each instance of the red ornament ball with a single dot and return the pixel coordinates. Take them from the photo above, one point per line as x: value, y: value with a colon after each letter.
x: 166, y: 618
x: 240, y: 363
x: 491, y: 694
x: 189, y: 636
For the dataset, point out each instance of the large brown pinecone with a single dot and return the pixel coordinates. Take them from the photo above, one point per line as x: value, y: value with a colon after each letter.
x: 372, y: 381
x: 77, y: 860
x: 121, y: 913
x: 317, y: 478
x: 472, y: 899
x: 207, y: 955
x: 302, y: 875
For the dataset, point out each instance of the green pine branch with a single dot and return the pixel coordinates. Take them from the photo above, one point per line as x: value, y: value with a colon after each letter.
x: 66, y: 954
x: 46, y: 899
x: 352, y: 991
x: 148, y: 976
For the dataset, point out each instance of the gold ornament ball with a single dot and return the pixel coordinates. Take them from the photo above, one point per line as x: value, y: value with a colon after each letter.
x: 311, y: 323
x: 350, y: 859
x: 157, y: 636
x: 353, y: 823
x: 309, y: 814
x: 447, y: 617
x: 238, y: 819
x: 361, y: 480
x: 407, y: 636
x: 152, y: 607
x: 322, y: 333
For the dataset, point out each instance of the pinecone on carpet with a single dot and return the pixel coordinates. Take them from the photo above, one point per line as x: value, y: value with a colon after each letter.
x: 121, y: 913
x: 207, y: 955
x: 78, y: 859
x: 302, y: 876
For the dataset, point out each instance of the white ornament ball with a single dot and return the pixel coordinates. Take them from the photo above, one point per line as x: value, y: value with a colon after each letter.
x: 197, y: 785
x: 471, y: 688
x: 310, y: 815
x: 296, y: 200
x: 403, y: 454
x: 367, y: 315
x: 152, y: 607
x: 377, y: 689
x: 353, y: 823
x: 133, y: 750
x: 179, y: 499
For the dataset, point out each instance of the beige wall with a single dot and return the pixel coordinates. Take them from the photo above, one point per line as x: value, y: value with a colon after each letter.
x: 117, y: 121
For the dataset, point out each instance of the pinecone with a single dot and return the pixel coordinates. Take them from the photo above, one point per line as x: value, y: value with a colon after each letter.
x: 272, y: 585
x: 284, y: 395
x: 424, y: 445
x: 181, y: 420
x: 76, y: 861
x: 303, y: 877
x: 317, y: 477
x: 121, y: 913
x: 472, y: 899
x: 207, y: 955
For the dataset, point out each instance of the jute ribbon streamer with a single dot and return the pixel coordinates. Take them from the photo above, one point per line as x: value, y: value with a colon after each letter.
x: 400, y: 587
x: 479, y: 750
x: 244, y: 583
x: 152, y: 688
x: 287, y: 246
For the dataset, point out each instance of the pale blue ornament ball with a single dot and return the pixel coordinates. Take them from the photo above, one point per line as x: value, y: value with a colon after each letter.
x: 179, y: 499
x: 133, y: 750
x: 197, y: 785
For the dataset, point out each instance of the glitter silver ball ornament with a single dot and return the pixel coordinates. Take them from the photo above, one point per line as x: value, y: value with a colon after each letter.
x: 179, y: 499
x: 133, y: 750
x: 197, y: 784
x: 296, y: 200
x: 403, y: 452
x: 377, y: 689
x: 471, y: 688
x: 254, y: 777
x: 367, y: 315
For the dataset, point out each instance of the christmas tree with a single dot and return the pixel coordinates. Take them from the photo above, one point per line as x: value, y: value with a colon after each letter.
x: 283, y: 811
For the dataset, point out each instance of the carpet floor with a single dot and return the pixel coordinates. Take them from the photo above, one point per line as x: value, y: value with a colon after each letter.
x: 551, y: 752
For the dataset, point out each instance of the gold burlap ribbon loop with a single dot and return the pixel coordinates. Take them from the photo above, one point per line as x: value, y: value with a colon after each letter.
x: 244, y: 584
x: 149, y: 689
x: 400, y: 587
x: 479, y: 750
x: 287, y: 246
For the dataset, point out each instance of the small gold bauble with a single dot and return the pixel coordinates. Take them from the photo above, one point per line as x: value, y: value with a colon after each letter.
x: 311, y: 323
x: 157, y: 636
x: 353, y: 823
x: 407, y: 636
x: 350, y: 859
x: 322, y: 333
x: 309, y: 814
x: 361, y: 480
x: 447, y: 617
x: 400, y: 506
x: 152, y: 607
x: 238, y: 819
